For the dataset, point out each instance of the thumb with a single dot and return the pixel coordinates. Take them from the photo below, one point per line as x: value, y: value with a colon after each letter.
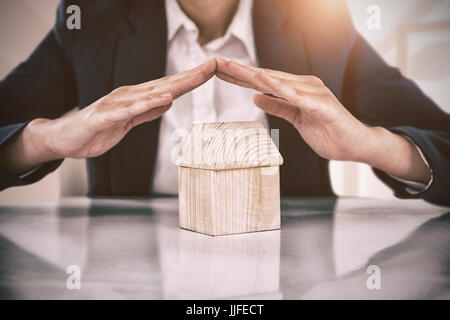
x: 150, y: 115
x: 277, y: 107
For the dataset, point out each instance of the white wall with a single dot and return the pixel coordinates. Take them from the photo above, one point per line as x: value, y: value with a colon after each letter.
x: 23, y: 23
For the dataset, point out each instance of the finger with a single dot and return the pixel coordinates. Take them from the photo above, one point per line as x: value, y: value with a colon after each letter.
x: 307, y: 79
x: 284, y: 78
x: 183, y: 82
x: 251, y: 75
x: 298, y: 86
x: 135, y: 102
x: 275, y: 73
x: 312, y: 80
x: 242, y: 73
x: 221, y: 65
x: 235, y: 81
x: 149, y: 115
x: 221, y: 73
x: 189, y: 81
x: 206, y: 69
x: 139, y: 107
x: 239, y: 71
x: 293, y: 91
x: 277, y: 107
x: 280, y: 88
x: 281, y: 74
x: 182, y: 86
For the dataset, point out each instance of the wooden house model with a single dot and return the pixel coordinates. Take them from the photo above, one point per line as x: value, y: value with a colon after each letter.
x: 228, y: 179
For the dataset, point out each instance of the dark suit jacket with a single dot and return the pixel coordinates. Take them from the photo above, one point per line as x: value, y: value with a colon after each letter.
x: 123, y: 42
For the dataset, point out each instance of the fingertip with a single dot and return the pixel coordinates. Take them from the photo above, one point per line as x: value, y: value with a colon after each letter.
x: 258, y: 99
x: 220, y: 61
x: 212, y: 61
x: 208, y: 67
x: 221, y: 64
x: 257, y: 96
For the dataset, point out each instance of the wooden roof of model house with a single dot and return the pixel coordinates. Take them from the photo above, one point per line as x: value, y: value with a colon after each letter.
x: 228, y: 145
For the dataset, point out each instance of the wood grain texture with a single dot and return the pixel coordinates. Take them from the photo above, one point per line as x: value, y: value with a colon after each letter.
x: 220, y: 202
x: 228, y: 179
x: 228, y: 145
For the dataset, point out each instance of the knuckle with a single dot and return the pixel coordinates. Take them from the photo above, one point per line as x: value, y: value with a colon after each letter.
x: 316, y: 80
x: 128, y: 103
x: 121, y: 90
x: 125, y: 88
x: 167, y: 78
x: 150, y: 89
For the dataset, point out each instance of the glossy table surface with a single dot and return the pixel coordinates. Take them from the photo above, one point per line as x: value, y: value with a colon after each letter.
x: 133, y: 249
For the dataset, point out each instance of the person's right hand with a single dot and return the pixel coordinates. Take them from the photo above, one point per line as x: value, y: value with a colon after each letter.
x: 95, y: 129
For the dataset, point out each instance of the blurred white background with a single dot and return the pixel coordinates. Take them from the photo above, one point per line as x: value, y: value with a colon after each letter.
x: 414, y: 35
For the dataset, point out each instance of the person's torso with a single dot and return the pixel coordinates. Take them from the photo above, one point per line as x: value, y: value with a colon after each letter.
x: 134, y: 49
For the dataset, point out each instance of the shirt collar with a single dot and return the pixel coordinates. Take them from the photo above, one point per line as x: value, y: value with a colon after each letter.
x: 176, y: 19
x: 240, y: 27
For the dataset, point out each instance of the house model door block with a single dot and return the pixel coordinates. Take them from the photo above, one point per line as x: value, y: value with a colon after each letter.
x: 228, y: 179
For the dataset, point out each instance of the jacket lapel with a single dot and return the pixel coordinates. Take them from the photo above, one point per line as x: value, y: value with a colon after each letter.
x: 276, y: 47
x: 140, y: 57
x: 324, y: 28
x: 296, y: 37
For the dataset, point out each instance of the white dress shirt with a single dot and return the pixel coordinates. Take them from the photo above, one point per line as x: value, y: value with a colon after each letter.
x: 216, y: 100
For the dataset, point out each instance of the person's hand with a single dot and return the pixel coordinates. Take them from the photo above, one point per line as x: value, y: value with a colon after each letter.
x: 328, y: 128
x: 97, y: 128
x: 323, y: 122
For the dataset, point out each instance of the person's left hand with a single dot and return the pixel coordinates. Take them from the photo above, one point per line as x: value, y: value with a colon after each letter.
x: 328, y: 128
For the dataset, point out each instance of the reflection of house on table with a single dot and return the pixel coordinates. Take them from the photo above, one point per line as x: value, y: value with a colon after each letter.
x: 241, y: 266
x: 228, y: 180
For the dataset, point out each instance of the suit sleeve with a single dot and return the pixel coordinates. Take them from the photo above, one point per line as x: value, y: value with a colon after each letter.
x: 43, y: 86
x: 379, y: 95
